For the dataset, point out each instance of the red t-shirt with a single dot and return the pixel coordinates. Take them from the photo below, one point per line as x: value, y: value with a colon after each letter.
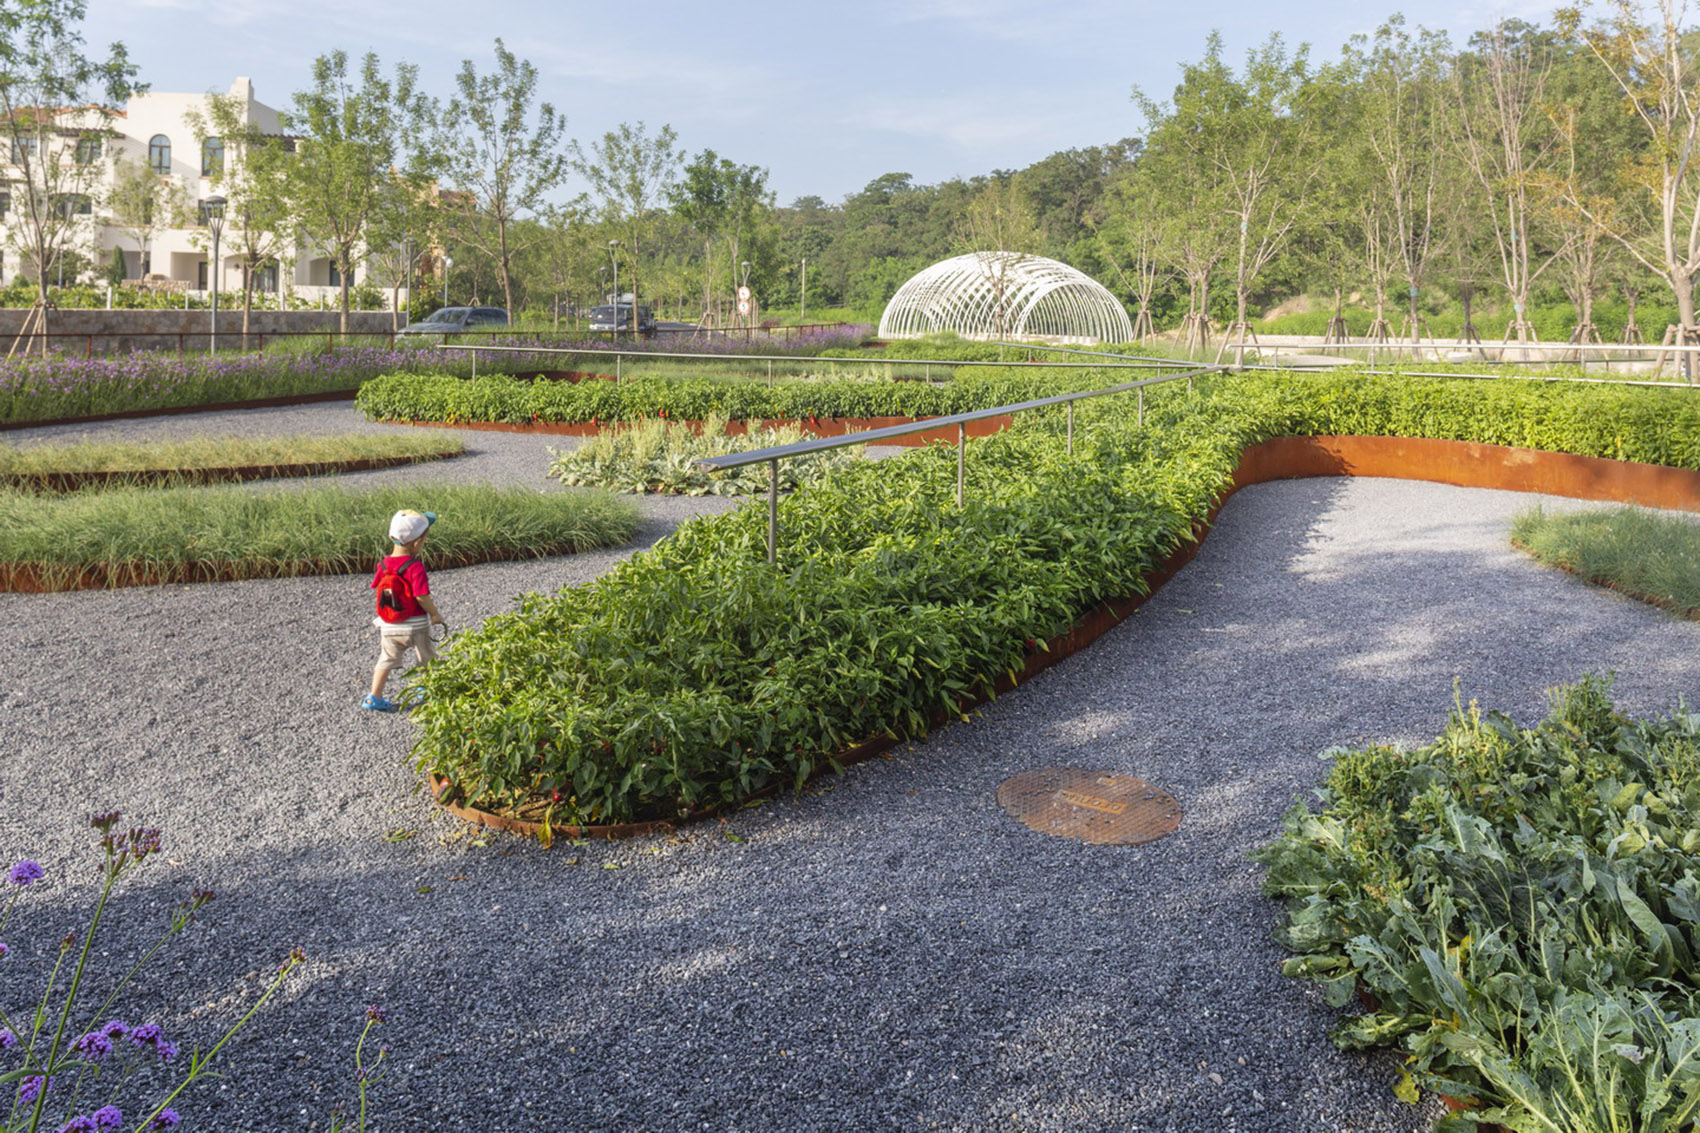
x: 417, y: 583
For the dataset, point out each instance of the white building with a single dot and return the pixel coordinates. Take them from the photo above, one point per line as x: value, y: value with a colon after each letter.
x: 156, y: 128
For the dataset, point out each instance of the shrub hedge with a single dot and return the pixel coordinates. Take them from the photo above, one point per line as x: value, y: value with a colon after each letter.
x: 695, y: 675
x: 404, y: 397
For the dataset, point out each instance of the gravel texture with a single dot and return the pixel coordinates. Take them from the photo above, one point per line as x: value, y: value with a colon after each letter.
x: 887, y: 951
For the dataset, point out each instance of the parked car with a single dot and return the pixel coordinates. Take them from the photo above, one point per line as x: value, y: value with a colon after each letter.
x: 455, y: 320
x: 619, y: 319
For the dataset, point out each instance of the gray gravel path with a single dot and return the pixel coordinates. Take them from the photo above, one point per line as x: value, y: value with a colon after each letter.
x: 888, y: 951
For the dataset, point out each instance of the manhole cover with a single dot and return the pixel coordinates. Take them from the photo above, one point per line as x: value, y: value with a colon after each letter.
x: 1100, y: 807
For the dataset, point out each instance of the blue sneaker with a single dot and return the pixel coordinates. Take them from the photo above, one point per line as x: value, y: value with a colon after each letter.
x: 379, y: 703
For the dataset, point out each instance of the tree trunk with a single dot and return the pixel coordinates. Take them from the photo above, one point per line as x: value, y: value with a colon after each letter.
x: 343, y: 275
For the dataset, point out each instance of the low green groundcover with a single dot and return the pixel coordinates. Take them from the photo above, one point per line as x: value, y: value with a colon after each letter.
x: 1521, y: 908
x: 277, y: 533
x: 696, y: 675
x: 1643, y: 554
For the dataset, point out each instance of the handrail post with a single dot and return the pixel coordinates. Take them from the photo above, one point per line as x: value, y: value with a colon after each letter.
x: 1071, y: 428
x: 1142, y: 407
x: 961, y: 457
x: 773, y: 512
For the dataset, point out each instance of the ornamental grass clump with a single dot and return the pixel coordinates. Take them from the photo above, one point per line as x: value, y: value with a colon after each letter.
x: 35, y: 463
x: 66, y: 1061
x: 127, y: 536
x: 660, y: 456
x: 1520, y: 908
x: 1643, y: 554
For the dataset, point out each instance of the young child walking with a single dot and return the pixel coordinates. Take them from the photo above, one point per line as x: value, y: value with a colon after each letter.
x: 406, y: 611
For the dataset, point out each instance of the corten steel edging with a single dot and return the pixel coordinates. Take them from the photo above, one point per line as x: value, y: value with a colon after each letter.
x: 179, y: 410
x: 26, y: 578
x: 1471, y: 465
x: 72, y: 481
x: 817, y: 426
x: 1281, y: 458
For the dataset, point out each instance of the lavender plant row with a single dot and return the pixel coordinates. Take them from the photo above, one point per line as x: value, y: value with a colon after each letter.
x: 57, y: 386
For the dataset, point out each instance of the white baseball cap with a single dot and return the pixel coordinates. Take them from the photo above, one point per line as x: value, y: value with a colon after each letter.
x: 407, y: 525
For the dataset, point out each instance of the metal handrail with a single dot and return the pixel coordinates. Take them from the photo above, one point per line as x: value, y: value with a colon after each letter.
x: 1254, y: 367
x: 1155, y: 363
x: 774, y: 454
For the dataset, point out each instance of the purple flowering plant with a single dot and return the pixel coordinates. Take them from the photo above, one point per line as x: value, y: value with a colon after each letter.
x: 64, y: 1064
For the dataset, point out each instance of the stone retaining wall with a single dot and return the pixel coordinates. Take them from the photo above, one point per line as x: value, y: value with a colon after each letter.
x: 80, y: 331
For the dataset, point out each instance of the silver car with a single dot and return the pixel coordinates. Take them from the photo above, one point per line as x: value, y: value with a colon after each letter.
x: 456, y: 320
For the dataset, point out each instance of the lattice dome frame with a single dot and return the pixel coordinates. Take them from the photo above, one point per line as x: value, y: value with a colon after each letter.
x: 990, y: 295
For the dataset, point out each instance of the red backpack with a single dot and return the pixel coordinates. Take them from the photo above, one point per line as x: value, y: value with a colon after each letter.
x: 395, y: 595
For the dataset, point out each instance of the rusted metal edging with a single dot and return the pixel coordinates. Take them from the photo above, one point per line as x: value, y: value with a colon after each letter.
x: 773, y: 455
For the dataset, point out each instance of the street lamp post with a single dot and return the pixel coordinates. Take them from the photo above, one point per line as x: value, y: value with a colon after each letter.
x: 614, y: 256
x: 803, y: 293
x: 215, y: 220
x: 447, y: 264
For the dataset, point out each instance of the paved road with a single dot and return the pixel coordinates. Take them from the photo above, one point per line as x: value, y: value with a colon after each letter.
x: 888, y: 951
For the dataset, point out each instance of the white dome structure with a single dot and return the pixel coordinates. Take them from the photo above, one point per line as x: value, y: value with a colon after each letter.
x: 991, y: 295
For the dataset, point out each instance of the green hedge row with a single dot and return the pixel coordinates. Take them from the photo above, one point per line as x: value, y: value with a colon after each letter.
x: 695, y: 674
x: 408, y: 397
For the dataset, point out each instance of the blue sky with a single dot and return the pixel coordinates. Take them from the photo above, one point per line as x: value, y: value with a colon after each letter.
x: 827, y: 98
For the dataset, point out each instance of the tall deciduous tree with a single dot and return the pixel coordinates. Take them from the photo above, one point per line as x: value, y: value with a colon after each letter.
x: 1249, y: 134
x: 505, y: 154
x: 142, y: 204
x: 723, y: 201
x: 1505, y: 140
x: 1654, y: 66
x: 350, y: 161
x: 1402, y: 121
x: 53, y: 121
x: 254, y: 179
x: 631, y: 173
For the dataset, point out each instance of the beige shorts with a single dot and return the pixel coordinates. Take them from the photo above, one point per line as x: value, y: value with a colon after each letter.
x: 395, y: 641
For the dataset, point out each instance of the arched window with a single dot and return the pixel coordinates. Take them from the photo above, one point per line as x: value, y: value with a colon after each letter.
x: 159, y: 154
x: 212, y: 157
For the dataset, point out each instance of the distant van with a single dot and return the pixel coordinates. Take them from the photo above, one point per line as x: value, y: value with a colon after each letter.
x: 454, y: 320
x: 618, y: 319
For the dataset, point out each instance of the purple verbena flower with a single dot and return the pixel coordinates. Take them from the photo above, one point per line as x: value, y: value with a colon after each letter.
x: 32, y: 1087
x: 7, y: 1039
x: 165, y: 1119
x: 27, y: 873
x: 115, y: 1029
x: 375, y: 1013
x: 166, y: 1049
x: 82, y: 1123
x: 4, y: 949
x: 93, y: 1046
x: 108, y: 1117
x: 145, y: 1035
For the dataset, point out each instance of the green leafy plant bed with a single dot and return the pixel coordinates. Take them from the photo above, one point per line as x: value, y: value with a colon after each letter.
x: 452, y: 400
x: 142, y: 536
x: 811, y: 426
x: 1654, y: 558
x: 696, y: 675
x: 660, y: 457
x: 68, y: 467
x: 1522, y: 905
